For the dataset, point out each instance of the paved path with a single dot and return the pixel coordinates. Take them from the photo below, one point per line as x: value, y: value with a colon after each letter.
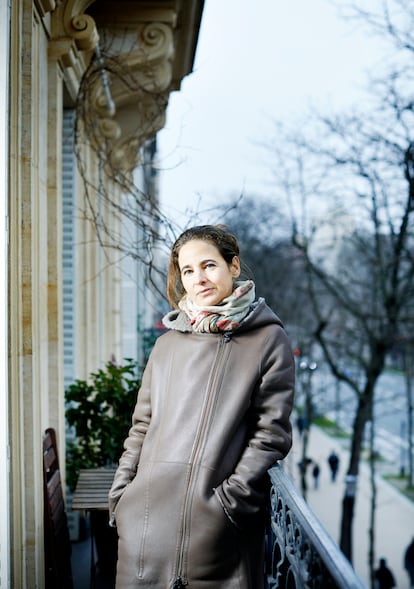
x: 394, y: 517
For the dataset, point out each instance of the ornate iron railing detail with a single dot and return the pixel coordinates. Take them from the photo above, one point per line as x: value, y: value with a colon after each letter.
x: 300, y: 552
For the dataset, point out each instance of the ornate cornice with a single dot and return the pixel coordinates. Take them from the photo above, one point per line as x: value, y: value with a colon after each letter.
x: 142, y: 67
x: 74, y: 37
x: 123, y: 56
x: 127, y: 91
x: 80, y: 26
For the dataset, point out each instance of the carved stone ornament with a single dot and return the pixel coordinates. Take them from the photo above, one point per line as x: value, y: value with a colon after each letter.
x: 120, y: 77
x: 127, y: 92
x: 45, y: 6
x: 80, y: 26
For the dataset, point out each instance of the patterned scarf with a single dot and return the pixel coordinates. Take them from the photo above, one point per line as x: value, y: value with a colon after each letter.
x: 225, y: 316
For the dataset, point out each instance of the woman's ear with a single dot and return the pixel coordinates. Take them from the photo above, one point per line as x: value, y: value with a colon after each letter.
x: 235, y: 267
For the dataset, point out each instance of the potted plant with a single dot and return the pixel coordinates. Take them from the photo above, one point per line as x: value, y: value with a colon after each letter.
x: 99, y: 410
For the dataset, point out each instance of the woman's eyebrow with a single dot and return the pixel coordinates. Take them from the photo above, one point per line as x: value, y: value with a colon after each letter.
x: 207, y: 261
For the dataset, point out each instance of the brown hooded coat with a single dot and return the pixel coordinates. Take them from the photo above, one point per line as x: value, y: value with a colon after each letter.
x: 190, y: 494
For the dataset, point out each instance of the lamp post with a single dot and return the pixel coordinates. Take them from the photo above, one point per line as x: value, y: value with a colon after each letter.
x: 307, y: 368
x: 402, y: 455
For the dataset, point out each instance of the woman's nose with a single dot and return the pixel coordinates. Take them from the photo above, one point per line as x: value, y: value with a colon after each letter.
x: 200, y: 275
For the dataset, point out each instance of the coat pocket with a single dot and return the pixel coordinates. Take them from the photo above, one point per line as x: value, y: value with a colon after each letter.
x: 228, y: 515
x: 214, y: 541
x: 118, y: 500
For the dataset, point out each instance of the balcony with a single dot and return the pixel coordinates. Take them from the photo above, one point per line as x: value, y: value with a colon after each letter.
x: 300, y: 553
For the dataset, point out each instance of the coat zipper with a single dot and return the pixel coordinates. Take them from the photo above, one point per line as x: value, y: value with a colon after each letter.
x: 181, y: 579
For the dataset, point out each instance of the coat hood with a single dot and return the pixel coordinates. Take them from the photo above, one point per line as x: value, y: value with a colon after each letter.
x: 259, y: 315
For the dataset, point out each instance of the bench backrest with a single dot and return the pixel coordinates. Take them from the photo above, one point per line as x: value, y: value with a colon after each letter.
x: 58, y: 568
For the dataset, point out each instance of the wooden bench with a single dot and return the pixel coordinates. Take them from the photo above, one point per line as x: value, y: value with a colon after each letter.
x: 92, y: 488
x: 58, y: 568
x: 91, y: 495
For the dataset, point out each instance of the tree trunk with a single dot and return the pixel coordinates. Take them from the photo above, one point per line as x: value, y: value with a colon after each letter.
x: 348, y: 502
x: 408, y: 371
x: 303, y: 465
x: 371, y: 533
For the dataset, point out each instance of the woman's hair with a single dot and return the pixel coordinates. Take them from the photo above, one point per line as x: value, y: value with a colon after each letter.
x: 224, y: 241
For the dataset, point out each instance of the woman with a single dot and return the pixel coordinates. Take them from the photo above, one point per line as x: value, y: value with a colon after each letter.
x: 190, y: 494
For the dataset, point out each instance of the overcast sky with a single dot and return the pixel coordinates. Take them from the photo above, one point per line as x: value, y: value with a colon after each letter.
x: 255, y: 62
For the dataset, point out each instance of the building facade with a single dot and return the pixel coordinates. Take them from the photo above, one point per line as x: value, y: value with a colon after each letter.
x: 84, y: 89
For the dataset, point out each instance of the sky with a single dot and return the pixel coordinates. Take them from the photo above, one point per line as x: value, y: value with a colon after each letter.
x: 256, y: 62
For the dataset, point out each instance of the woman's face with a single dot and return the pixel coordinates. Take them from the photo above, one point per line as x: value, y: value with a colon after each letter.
x: 206, y: 277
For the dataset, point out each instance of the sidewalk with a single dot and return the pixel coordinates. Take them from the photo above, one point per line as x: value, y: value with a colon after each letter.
x: 394, y: 516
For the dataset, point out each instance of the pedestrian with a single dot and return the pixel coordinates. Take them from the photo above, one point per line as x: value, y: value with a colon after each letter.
x: 383, y: 576
x: 333, y: 461
x: 190, y: 495
x: 300, y: 424
x: 409, y: 562
x: 315, y: 474
x: 303, y: 469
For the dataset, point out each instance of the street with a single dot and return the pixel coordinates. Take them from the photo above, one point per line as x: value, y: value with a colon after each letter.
x: 338, y: 403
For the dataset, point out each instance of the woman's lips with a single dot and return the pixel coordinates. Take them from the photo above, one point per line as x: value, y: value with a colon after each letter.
x: 205, y: 292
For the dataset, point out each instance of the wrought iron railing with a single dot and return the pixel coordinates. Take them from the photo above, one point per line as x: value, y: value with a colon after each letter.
x: 300, y: 552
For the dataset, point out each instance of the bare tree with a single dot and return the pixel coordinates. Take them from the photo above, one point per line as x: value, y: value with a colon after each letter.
x: 270, y: 257
x: 407, y: 428
x: 349, y: 182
